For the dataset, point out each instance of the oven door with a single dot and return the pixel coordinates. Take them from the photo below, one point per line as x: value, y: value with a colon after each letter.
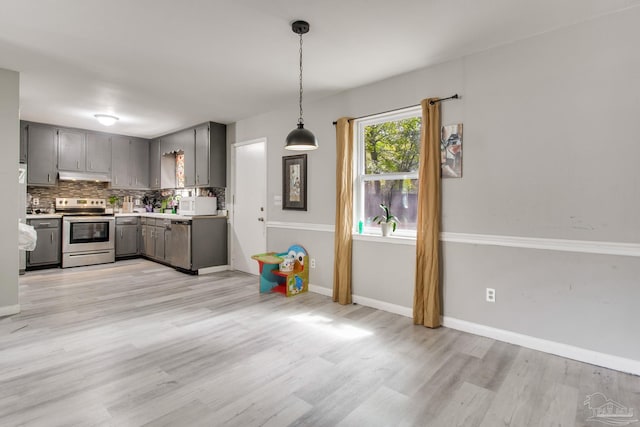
x: 90, y: 233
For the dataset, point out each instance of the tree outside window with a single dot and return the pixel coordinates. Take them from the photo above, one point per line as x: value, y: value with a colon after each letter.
x: 388, y: 159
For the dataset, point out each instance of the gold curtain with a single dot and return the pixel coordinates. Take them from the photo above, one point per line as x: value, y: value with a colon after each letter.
x: 344, y: 211
x: 426, y: 298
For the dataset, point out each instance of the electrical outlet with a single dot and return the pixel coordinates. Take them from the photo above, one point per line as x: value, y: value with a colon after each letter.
x: 35, y: 201
x: 491, y: 295
x: 313, y: 263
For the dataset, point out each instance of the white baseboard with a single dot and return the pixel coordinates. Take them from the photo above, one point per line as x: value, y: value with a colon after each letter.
x: 216, y: 269
x: 320, y: 290
x: 559, y: 349
x: 368, y: 302
x: 384, y: 306
x: 9, y: 310
x: 546, y: 346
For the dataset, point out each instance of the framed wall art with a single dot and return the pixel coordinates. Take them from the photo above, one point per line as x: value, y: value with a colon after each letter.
x: 294, y: 182
x: 451, y: 151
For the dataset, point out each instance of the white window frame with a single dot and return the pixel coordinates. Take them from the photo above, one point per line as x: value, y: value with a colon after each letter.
x: 359, y: 176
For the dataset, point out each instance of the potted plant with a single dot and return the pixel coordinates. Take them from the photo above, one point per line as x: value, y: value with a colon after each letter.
x: 388, y: 222
x: 113, y: 201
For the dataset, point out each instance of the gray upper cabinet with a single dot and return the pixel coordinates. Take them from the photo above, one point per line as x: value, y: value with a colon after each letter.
x: 205, y: 157
x: 120, y: 162
x: 41, y: 158
x: 139, y: 163
x: 129, y: 163
x: 23, y: 143
x: 71, y: 150
x: 211, y: 155
x: 188, y: 143
x: 84, y: 151
x: 155, y: 156
x: 202, y: 155
x: 98, y: 152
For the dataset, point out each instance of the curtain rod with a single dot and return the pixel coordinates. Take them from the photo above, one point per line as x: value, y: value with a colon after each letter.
x: 455, y: 96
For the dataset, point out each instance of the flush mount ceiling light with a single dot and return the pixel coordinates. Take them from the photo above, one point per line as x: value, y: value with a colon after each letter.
x: 106, y: 119
x: 301, y: 139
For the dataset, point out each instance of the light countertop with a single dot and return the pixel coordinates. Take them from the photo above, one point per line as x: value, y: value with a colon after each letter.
x: 145, y: 214
x: 44, y: 216
x: 168, y: 215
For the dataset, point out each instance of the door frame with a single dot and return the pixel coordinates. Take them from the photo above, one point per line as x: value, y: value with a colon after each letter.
x: 231, y: 204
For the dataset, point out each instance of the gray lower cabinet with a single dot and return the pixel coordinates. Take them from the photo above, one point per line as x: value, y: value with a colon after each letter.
x: 208, y: 242
x: 158, y: 235
x: 155, y: 238
x: 48, y: 246
x: 199, y: 243
x: 189, y: 245
x: 147, y: 237
x: 127, y: 240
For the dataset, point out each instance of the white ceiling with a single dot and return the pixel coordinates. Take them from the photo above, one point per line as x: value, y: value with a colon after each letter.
x: 161, y: 65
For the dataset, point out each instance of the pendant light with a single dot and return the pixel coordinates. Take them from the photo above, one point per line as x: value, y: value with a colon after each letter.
x: 301, y: 139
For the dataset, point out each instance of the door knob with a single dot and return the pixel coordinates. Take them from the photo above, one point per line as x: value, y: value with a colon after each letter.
x: 261, y: 219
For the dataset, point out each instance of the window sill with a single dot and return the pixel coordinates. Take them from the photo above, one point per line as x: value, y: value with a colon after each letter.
x: 395, y: 240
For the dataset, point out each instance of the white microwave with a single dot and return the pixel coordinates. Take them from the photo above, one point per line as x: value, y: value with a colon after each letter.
x: 198, y: 206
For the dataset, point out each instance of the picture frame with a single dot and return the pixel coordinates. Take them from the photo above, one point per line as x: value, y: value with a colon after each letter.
x: 294, y: 182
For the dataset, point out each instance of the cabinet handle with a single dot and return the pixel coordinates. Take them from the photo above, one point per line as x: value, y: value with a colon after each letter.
x: 48, y: 177
x: 77, y: 164
x: 45, y: 223
x: 121, y: 234
x: 52, y: 237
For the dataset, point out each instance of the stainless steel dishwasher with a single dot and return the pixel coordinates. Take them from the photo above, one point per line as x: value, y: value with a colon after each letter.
x: 181, y: 243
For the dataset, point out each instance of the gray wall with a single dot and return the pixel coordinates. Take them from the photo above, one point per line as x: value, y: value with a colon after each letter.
x: 550, y: 150
x: 10, y: 142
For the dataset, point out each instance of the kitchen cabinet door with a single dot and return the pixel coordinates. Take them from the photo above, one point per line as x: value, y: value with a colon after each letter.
x: 41, y: 155
x: 202, y: 155
x: 126, y: 240
x: 23, y: 143
x: 47, y: 249
x: 150, y: 241
x: 98, y: 153
x: 139, y: 163
x: 120, y: 160
x: 154, y: 164
x: 71, y: 150
x: 167, y: 245
x: 187, y: 144
x: 143, y: 239
x: 159, y: 242
x: 211, y: 155
x: 217, y: 155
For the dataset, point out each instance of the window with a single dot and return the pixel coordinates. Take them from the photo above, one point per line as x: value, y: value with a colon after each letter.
x: 386, y: 170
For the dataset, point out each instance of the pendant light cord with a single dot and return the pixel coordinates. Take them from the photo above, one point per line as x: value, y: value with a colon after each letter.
x: 300, y: 120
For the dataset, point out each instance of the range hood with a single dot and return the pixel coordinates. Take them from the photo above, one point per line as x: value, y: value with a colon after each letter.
x: 84, y: 176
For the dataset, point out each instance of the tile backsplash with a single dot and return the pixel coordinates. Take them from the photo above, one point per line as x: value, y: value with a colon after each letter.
x: 101, y: 190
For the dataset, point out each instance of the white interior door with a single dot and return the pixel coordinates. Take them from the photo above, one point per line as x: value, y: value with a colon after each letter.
x: 249, y: 236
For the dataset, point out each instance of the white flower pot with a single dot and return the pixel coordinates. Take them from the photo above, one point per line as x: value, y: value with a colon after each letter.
x: 386, y: 227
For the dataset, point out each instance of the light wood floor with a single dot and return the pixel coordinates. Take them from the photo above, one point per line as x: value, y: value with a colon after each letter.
x: 136, y: 343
